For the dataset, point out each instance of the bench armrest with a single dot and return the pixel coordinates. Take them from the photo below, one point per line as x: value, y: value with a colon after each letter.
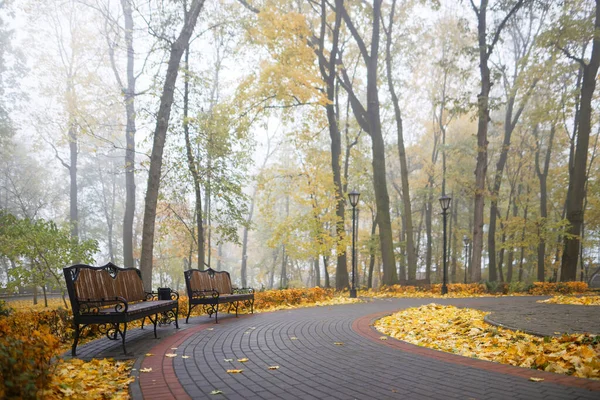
x: 243, y: 290
x: 205, y: 293
x: 92, y: 306
x: 154, y: 295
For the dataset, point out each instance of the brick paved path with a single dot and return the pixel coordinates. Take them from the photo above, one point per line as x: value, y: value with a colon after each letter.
x: 311, y: 366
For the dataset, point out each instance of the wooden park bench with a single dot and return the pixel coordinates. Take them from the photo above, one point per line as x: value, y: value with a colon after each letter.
x: 210, y: 288
x: 110, y: 297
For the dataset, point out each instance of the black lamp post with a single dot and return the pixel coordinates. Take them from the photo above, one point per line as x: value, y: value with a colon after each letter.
x: 353, y: 197
x: 466, y: 241
x: 445, y: 203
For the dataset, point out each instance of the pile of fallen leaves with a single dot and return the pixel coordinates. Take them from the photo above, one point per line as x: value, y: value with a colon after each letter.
x: 95, y: 379
x: 577, y: 300
x: 464, y: 332
x: 433, y: 290
x: 271, y: 300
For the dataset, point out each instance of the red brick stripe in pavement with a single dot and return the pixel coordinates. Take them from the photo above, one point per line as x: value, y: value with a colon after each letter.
x: 363, y: 326
x: 162, y: 383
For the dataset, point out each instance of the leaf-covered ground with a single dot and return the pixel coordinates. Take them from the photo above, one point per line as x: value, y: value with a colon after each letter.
x: 577, y: 300
x: 96, y: 379
x: 464, y: 332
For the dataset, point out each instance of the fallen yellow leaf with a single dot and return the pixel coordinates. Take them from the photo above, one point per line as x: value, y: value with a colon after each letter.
x: 216, y: 391
x: 338, y: 343
x: 228, y: 360
x: 149, y: 354
x: 145, y: 369
x: 234, y: 371
x: 274, y: 367
x: 171, y: 355
x: 293, y: 338
x: 185, y: 356
x: 532, y: 379
x: 383, y: 338
x: 242, y: 359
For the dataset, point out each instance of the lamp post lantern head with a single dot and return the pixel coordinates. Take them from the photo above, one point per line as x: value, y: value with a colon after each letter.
x: 445, y: 202
x: 353, y: 197
x: 466, y: 240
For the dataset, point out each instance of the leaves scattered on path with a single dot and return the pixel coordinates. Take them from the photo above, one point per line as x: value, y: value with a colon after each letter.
x: 464, y: 332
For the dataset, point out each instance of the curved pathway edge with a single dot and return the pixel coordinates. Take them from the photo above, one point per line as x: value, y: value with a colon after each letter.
x: 364, y: 327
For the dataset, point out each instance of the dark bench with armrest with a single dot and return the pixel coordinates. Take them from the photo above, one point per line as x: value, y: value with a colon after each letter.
x: 110, y: 296
x: 210, y: 288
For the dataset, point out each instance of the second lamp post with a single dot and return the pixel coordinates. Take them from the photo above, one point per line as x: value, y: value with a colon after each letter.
x: 445, y: 203
x: 353, y: 197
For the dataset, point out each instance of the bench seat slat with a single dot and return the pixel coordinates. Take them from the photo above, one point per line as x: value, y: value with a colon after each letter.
x: 137, y: 308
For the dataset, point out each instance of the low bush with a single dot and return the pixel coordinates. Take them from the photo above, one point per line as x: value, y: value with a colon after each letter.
x: 27, y: 346
x: 547, y: 288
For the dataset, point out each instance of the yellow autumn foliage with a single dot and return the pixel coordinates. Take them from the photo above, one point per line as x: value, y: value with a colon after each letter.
x: 464, y: 332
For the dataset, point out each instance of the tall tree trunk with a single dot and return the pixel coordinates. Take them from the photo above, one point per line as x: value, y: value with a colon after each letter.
x: 283, y: 281
x: 160, y: 133
x: 372, y: 250
x: 129, y: 139
x: 428, y: 227
x: 73, y: 155
x: 272, y: 272
x: 193, y: 164
x: 407, y: 216
x: 522, y: 255
x: 453, y: 239
x: 485, y: 51
x: 542, y: 173
x: 244, y: 266
x: 575, y: 211
x: 369, y: 119
x: 220, y: 258
x: 317, y: 267
x: 327, y: 68
x: 482, y: 143
x: 326, y: 271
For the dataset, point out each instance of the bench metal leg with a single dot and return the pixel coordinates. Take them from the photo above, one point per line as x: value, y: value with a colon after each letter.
x: 123, y: 333
x: 217, y: 313
x: 177, y: 316
x: 190, y: 306
x: 75, y: 341
x: 154, y: 322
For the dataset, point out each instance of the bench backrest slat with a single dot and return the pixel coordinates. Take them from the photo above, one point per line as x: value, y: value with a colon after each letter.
x: 94, y: 284
x: 200, y: 281
x: 222, y: 282
x: 208, y: 280
x: 129, y: 285
x: 107, y: 282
